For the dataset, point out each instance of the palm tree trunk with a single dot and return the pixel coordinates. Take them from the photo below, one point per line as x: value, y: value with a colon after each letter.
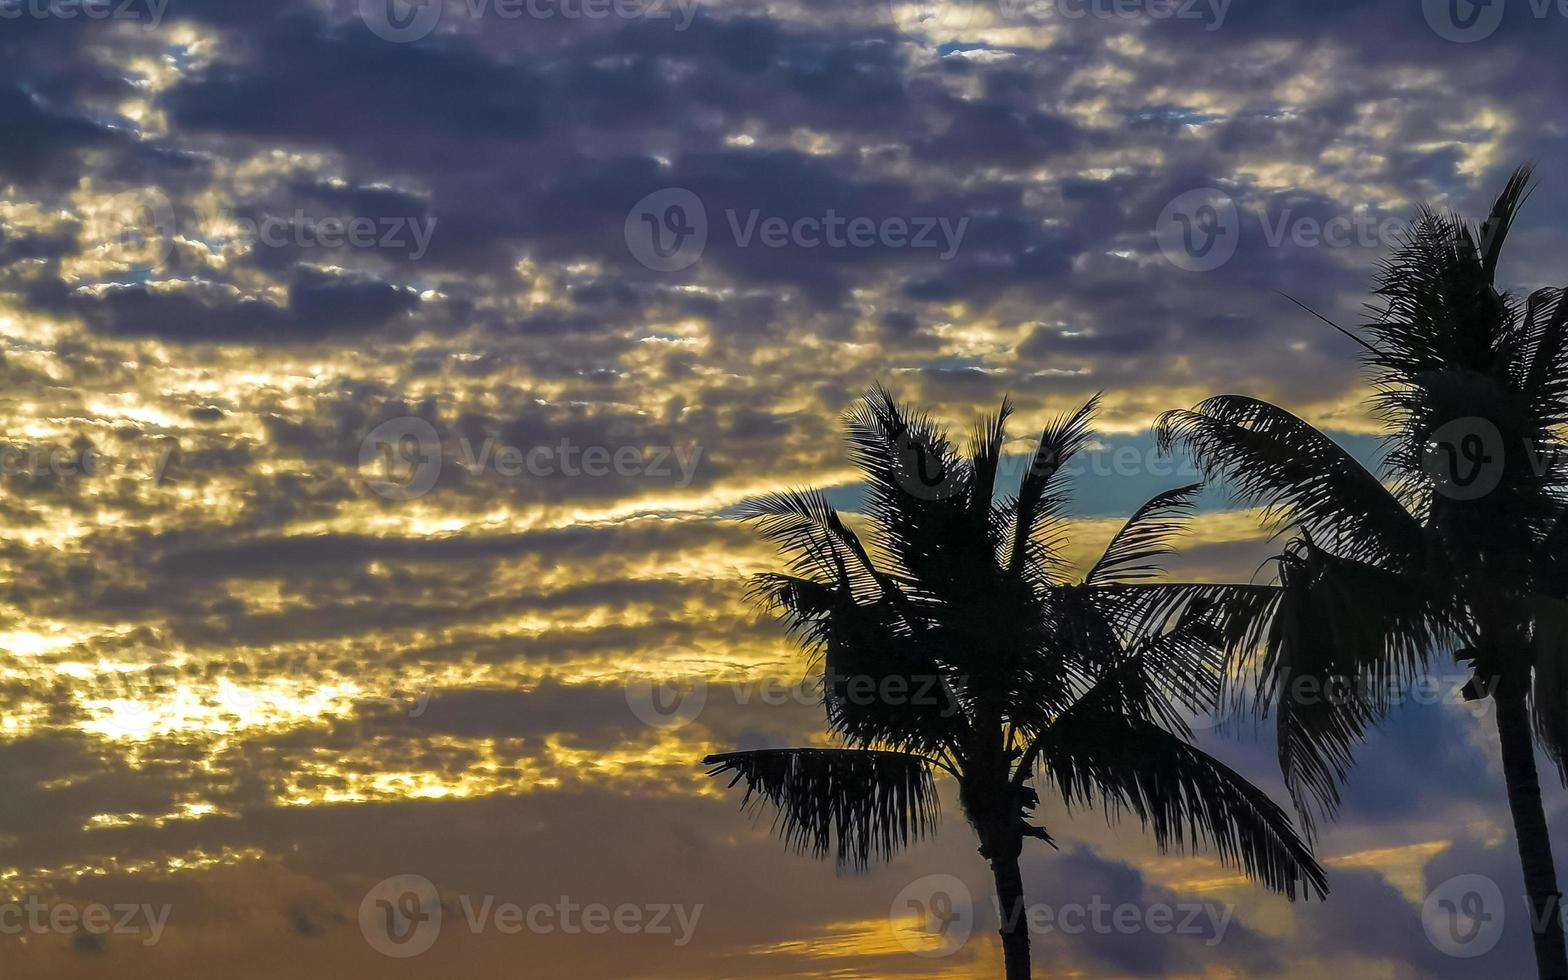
x: 1015, y: 918
x: 1535, y: 847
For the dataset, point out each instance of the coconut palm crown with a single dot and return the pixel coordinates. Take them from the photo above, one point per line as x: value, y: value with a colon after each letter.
x: 1459, y: 548
x: 1035, y: 680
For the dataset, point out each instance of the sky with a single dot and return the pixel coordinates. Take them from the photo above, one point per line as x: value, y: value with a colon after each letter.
x: 380, y: 384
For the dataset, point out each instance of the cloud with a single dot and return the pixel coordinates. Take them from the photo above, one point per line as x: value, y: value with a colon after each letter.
x: 211, y: 645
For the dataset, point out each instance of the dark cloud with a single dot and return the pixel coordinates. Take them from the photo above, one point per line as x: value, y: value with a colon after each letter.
x: 319, y: 304
x: 41, y: 139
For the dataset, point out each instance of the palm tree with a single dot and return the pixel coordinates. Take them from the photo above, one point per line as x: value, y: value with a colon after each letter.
x: 1041, y: 679
x: 1462, y: 548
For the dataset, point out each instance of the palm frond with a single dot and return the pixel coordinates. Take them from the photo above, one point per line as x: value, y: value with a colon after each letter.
x: 1043, y: 493
x: 1441, y: 309
x: 1494, y: 231
x: 1343, y: 639
x: 920, y: 495
x: 1138, y: 684
x: 907, y: 459
x: 955, y: 586
x: 879, y: 684
x: 1300, y: 476
x: 1545, y: 375
x: 1077, y: 644
x: 804, y: 604
x: 1135, y: 550
x: 1187, y: 662
x: 1189, y: 800
x: 1140, y: 609
x: 810, y: 533
x: 985, y: 454
x: 858, y: 805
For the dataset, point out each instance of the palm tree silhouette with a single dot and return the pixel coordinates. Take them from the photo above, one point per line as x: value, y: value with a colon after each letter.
x: 1465, y: 549
x: 1035, y: 677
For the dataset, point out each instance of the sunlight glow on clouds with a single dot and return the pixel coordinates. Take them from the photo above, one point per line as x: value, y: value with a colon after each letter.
x: 229, y: 667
